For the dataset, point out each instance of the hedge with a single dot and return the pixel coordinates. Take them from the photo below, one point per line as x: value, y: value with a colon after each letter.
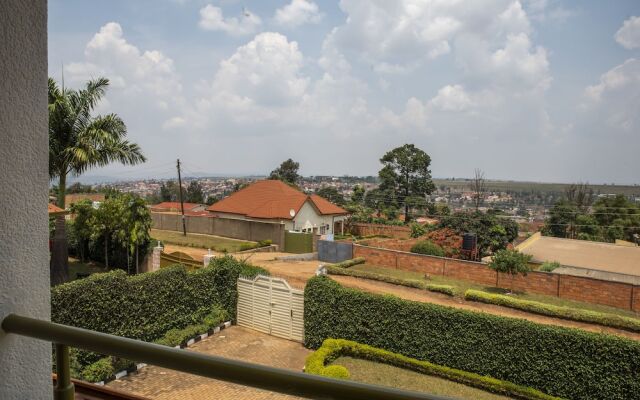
x: 575, y: 314
x: 413, y: 283
x: 558, y: 361
x: 332, y: 349
x: 350, y: 263
x: 428, y: 248
x: 146, y: 306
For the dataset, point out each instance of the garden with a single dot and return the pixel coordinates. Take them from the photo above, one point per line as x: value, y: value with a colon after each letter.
x: 216, y: 243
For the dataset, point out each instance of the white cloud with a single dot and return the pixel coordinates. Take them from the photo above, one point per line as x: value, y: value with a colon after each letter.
x: 212, y: 19
x: 452, y: 98
x: 298, y: 12
x: 616, y: 98
x: 131, y: 71
x: 628, y: 36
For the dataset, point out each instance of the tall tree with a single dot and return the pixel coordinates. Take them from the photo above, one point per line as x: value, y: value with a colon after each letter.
x: 358, y: 194
x: 195, y: 193
x: 287, y: 172
x: 479, y: 188
x: 332, y: 194
x: 79, y: 141
x: 406, y: 173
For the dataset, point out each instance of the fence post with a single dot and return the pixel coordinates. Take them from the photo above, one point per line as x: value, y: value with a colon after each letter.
x: 155, y: 258
x: 64, y: 389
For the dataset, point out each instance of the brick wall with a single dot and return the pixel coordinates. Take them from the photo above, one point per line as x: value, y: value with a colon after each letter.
x: 590, y: 290
x: 394, y: 231
x: 614, y: 294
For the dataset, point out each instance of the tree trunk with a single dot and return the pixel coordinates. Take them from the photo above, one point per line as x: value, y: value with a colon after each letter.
x: 137, y: 268
x: 106, y: 250
x: 59, y: 264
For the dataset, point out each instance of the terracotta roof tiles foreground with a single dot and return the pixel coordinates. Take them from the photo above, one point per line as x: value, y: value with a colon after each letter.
x: 272, y: 199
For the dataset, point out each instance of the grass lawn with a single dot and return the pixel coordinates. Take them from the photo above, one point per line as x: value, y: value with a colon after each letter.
x: 386, y: 375
x: 462, y: 286
x: 216, y: 243
x: 77, y: 267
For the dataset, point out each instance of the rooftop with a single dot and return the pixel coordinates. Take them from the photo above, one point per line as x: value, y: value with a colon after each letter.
x: 600, y: 256
x: 272, y: 199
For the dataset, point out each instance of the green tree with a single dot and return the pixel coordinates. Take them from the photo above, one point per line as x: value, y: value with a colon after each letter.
x: 493, y: 232
x: 376, y: 199
x: 83, y: 212
x: 212, y: 199
x: 195, y: 193
x: 332, y: 194
x: 80, y: 188
x: 561, y: 220
x: 406, y: 172
x: 511, y: 262
x: 358, y: 194
x: 287, y: 172
x: 79, y: 141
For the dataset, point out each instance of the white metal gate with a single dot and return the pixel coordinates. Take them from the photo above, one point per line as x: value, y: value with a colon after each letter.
x: 271, y: 306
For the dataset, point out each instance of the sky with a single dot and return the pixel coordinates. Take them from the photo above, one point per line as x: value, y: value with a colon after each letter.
x: 535, y: 90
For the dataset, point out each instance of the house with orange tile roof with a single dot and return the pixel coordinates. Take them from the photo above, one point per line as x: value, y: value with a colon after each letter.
x: 275, y: 201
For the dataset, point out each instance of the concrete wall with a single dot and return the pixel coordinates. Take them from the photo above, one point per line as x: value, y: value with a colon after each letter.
x: 589, y: 290
x: 232, y: 228
x: 24, y: 273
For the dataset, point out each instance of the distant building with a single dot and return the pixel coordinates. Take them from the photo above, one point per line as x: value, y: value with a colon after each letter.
x: 275, y: 201
x: 174, y: 207
x: 609, y: 261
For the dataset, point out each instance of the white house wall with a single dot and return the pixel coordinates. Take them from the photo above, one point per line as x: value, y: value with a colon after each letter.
x: 308, y: 216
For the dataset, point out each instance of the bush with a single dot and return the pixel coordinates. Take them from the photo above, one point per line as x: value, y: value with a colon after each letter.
x: 558, y: 361
x: 265, y: 243
x: 146, y: 306
x: 177, y: 337
x: 575, y: 314
x: 350, y: 263
x: 413, y: 283
x: 428, y: 248
x: 331, y: 349
x: 98, y: 371
x: 417, y: 230
x: 549, y: 266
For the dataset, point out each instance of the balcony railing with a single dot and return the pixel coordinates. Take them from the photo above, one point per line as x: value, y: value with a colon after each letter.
x: 234, y: 371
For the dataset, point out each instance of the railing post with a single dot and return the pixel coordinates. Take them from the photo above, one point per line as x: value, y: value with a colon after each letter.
x: 64, y: 389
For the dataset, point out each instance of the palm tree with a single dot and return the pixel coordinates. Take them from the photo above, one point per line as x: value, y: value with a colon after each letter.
x: 79, y: 141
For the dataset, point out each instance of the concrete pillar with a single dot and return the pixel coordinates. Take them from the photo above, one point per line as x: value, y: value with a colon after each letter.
x: 207, y: 258
x: 24, y: 253
x: 155, y: 258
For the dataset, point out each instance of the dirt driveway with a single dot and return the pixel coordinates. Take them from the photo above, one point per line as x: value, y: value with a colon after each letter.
x: 235, y: 342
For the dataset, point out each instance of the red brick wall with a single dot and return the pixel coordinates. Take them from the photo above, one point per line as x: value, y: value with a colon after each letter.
x: 400, y: 232
x: 470, y: 271
x: 417, y: 263
x: 534, y: 282
x: 612, y: 294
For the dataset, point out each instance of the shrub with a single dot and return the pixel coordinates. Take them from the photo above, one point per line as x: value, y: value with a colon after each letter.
x: 428, y: 248
x: 98, y: 371
x: 549, y: 266
x: 176, y: 337
x: 444, y: 289
x: 417, y: 230
x: 350, y: 263
x: 265, y: 243
x: 146, y: 306
x: 334, y: 348
x: 559, y: 361
x: 575, y: 314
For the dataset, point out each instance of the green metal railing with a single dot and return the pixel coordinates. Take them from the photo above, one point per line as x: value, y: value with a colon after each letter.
x: 234, y: 371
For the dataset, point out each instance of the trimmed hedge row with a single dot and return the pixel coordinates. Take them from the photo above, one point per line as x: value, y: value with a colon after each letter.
x: 562, y: 362
x: 413, y: 283
x: 146, y: 306
x: 349, y: 263
x: 332, y: 349
x: 575, y: 314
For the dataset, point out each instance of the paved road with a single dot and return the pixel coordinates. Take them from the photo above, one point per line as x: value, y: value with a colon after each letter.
x: 234, y: 342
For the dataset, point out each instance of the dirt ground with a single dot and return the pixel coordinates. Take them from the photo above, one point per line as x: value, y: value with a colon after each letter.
x: 298, y: 272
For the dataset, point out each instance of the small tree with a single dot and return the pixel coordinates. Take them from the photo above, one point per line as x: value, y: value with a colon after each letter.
x: 511, y: 262
x: 332, y: 194
x: 479, y: 188
x: 358, y: 195
x: 195, y: 193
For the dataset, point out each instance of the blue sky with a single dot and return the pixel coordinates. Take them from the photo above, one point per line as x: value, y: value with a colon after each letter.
x: 541, y: 90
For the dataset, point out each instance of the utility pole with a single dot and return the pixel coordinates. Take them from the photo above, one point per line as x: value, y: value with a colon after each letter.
x: 184, y: 226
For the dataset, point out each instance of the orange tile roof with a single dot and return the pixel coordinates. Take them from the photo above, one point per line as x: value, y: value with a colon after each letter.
x: 173, y: 205
x: 54, y: 209
x: 272, y: 199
